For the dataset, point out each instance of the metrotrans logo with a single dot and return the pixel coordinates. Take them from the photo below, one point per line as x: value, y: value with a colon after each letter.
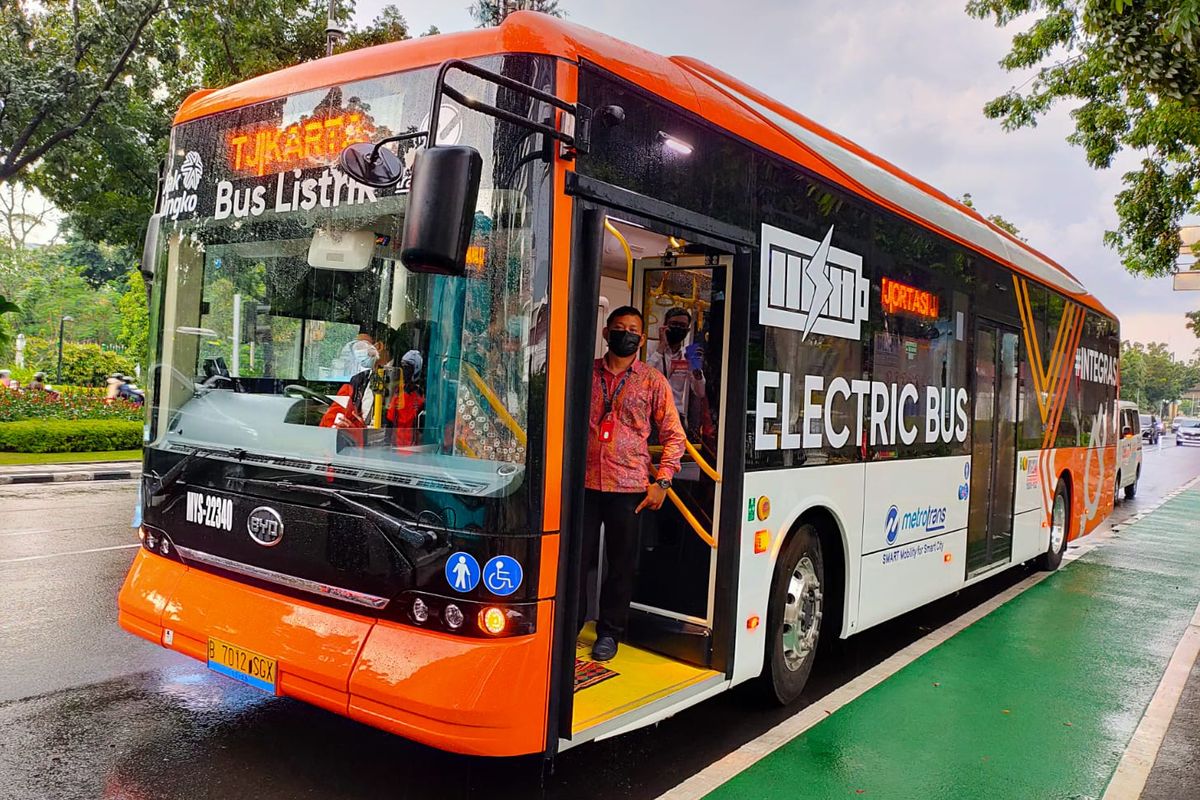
x: 810, y: 286
x: 929, y: 519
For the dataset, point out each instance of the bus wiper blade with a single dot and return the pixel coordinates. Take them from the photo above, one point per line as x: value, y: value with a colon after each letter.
x: 389, y: 525
x: 168, y: 478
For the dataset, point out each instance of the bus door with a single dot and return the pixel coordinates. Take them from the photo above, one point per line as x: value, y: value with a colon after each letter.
x: 994, y: 448
x: 673, y: 597
x: 669, y: 656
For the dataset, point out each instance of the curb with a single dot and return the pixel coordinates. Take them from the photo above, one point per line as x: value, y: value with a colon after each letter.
x: 64, y: 477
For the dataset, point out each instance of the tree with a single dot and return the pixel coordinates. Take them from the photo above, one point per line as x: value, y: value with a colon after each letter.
x: 488, y: 13
x: 1193, y: 322
x: 1150, y: 375
x: 59, y: 63
x: 6, y: 307
x: 135, y: 319
x: 20, y: 214
x: 105, y: 181
x: 995, y: 219
x: 1132, y: 73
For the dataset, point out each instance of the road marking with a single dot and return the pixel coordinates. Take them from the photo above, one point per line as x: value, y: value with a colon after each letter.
x: 69, y: 553
x: 1130, y: 778
x: 714, y: 775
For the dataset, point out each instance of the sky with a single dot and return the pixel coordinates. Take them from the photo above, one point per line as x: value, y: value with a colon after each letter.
x: 909, y: 86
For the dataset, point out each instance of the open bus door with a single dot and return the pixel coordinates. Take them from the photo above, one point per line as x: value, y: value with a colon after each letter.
x: 678, y: 644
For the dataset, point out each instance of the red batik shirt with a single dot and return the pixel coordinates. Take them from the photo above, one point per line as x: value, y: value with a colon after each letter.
x: 643, y: 404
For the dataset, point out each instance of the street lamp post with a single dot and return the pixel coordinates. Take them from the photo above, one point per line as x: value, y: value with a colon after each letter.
x: 65, y: 319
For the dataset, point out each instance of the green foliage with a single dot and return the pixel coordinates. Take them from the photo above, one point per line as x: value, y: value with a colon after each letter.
x: 135, y: 320
x: 47, y: 286
x: 59, y: 63
x: 6, y: 307
x: 1151, y: 375
x: 1132, y: 72
x: 83, y: 364
x: 69, y: 436
x: 487, y: 13
x: 28, y: 404
x: 1193, y: 322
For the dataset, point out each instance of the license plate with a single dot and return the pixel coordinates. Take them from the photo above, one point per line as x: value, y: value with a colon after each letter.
x: 242, y: 665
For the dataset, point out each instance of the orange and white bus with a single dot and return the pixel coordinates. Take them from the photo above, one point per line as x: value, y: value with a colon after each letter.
x: 378, y: 284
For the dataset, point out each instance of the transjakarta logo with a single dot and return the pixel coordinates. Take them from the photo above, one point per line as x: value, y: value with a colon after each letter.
x: 185, y: 177
x: 809, y: 286
x: 1095, y: 367
x: 884, y: 403
x: 930, y: 519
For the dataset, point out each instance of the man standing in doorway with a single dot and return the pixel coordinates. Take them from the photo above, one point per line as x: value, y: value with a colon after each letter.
x: 629, y: 401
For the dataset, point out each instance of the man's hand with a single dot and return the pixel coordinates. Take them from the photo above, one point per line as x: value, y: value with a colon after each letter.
x: 655, y: 495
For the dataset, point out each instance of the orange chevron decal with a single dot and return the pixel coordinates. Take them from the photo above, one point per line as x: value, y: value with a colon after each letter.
x: 1049, y: 380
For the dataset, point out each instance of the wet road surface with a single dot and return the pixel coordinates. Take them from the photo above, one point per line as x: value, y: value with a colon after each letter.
x: 88, y: 711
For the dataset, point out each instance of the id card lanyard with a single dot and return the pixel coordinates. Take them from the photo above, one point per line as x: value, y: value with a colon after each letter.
x: 608, y: 422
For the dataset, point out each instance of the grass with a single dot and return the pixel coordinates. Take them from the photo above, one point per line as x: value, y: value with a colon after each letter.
x: 21, y: 459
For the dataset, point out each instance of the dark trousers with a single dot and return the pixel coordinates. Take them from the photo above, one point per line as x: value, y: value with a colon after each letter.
x: 622, y: 528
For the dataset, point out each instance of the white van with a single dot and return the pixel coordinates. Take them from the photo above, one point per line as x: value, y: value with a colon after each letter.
x: 1129, y: 451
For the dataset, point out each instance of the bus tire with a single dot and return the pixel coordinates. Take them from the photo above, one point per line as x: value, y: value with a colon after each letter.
x: 1131, y: 489
x: 1117, y: 491
x: 794, y: 615
x: 1060, y: 529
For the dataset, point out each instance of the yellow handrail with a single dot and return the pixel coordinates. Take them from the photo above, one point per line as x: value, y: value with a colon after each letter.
x: 699, y: 459
x: 705, y: 467
x: 608, y: 226
x: 496, y: 405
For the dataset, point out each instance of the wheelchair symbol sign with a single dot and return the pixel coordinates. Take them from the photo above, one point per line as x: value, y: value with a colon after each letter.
x: 502, y: 575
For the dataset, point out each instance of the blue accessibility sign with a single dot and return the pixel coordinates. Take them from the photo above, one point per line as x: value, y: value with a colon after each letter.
x: 502, y: 575
x: 462, y: 572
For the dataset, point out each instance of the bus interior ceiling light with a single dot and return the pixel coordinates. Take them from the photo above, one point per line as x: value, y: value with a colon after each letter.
x: 677, y: 145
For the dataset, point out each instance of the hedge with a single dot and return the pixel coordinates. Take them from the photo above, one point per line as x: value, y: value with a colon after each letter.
x: 73, y: 436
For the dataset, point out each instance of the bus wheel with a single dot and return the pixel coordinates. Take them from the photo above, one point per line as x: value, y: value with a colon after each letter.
x: 794, y: 616
x: 1060, y: 529
x: 1117, y: 491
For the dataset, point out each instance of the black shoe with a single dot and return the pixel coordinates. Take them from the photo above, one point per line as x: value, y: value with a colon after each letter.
x: 604, y: 649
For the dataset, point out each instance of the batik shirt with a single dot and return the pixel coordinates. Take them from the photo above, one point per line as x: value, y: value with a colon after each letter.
x: 644, y: 404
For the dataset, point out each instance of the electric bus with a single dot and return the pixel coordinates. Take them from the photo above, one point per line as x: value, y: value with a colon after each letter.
x: 379, y: 281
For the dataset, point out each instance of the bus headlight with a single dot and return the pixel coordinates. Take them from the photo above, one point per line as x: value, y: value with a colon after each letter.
x: 420, y: 611
x: 453, y: 616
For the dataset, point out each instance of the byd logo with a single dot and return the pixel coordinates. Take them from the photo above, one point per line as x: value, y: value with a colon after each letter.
x: 931, y: 519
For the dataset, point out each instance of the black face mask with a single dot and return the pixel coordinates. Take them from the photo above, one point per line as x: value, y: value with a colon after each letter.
x: 676, y: 335
x: 623, y: 343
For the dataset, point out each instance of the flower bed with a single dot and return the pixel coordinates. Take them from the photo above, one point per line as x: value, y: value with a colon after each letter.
x: 74, y: 403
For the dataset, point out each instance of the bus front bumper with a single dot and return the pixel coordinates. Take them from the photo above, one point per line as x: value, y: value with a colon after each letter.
x: 472, y: 696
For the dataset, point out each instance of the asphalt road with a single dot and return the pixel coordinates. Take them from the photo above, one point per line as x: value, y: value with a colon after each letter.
x: 89, y: 711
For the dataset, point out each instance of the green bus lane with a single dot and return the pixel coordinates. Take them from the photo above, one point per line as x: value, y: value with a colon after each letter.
x: 1036, y: 700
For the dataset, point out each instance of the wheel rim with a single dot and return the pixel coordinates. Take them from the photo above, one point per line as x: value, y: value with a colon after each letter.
x: 801, y: 614
x: 1058, y: 524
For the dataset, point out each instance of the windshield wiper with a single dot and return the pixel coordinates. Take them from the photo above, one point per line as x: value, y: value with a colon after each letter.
x: 389, y: 525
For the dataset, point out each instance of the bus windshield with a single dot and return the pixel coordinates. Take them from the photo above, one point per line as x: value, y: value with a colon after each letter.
x: 291, y: 335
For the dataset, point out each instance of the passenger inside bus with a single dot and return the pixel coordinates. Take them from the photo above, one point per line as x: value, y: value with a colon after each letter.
x: 382, y: 394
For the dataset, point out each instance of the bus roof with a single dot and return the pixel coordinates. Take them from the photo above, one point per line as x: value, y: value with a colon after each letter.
x: 690, y: 84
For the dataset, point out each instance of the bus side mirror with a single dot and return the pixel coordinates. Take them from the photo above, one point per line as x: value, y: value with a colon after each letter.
x: 150, y: 248
x: 441, y: 209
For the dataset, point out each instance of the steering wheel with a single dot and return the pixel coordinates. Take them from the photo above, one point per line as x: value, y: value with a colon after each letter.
x: 296, y: 390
